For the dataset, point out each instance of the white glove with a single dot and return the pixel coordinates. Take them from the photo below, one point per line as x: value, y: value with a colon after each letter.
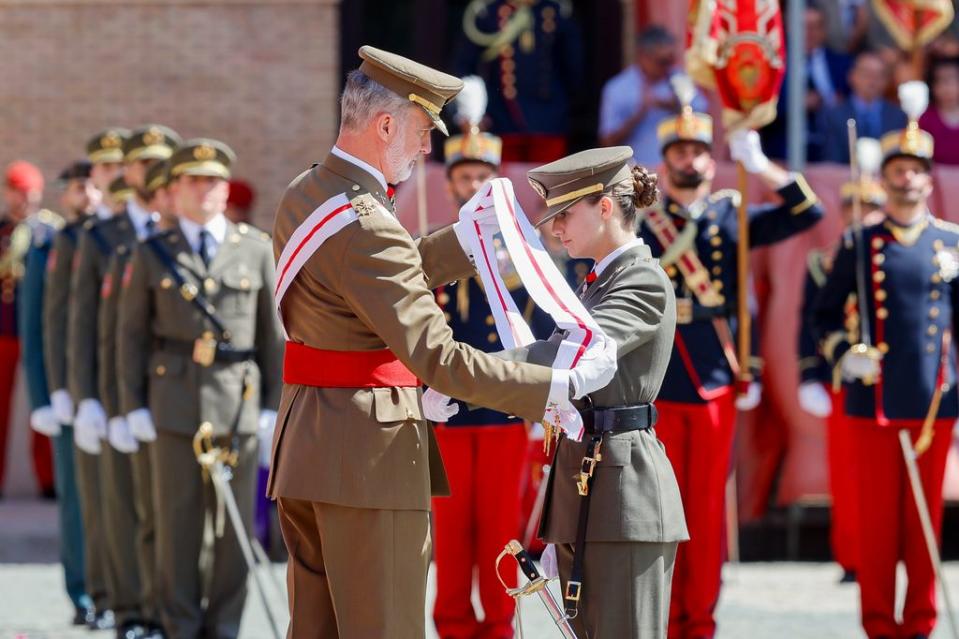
x: 948, y: 265
x: 62, y: 405
x: 121, y: 438
x: 744, y: 147
x: 264, y: 435
x: 750, y: 400
x: 814, y: 399
x: 91, y: 418
x: 85, y: 435
x: 141, y: 425
x: 548, y: 562
x: 595, y: 369
x: 45, y: 422
x: 860, y: 366
x: 438, y: 407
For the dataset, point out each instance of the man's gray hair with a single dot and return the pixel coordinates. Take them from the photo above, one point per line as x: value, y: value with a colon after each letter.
x: 363, y: 99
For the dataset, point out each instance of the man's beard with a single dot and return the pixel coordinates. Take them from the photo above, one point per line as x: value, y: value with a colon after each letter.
x: 905, y: 195
x: 400, y: 167
x: 686, y: 179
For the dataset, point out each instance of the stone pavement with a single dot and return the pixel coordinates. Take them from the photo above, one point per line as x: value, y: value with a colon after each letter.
x: 759, y: 600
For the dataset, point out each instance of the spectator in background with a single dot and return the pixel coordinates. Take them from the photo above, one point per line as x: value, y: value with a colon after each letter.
x: 637, y: 99
x: 874, y: 115
x: 530, y: 55
x: 239, y: 204
x: 942, y: 119
x: 826, y: 87
x: 846, y: 22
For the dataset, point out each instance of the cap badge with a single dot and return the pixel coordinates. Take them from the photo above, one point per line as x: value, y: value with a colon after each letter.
x: 204, y: 153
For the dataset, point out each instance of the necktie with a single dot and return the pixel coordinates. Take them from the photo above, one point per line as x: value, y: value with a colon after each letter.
x: 204, y: 249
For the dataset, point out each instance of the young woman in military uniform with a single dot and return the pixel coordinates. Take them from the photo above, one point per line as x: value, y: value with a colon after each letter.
x: 617, y: 556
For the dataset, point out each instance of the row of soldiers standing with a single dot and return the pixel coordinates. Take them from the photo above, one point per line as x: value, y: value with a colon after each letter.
x: 154, y: 316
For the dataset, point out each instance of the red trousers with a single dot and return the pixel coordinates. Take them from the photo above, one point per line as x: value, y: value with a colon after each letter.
x: 699, y: 441
x: 39, y: 444
x: 841, y: 457
x: 533, y: 147
x: 889, y: 526
x: 484, y: 465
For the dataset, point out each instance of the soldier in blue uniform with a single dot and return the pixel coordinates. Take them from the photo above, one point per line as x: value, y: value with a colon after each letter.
x: 484, y: 451
x: 529, y: 53
x: 694, y: 233
x: 904, y: 378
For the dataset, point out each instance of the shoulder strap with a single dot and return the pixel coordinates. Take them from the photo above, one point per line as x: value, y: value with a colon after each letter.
x: 694, y: 273
x: 189, y: 291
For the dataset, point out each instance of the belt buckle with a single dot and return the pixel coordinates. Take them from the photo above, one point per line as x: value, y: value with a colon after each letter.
x: 572, y: 590
x: 204, y: 349
x: 684, y: 311
x: 586, y: 469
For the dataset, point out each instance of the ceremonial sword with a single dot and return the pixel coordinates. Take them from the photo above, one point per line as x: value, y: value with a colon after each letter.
x: 536, y: 583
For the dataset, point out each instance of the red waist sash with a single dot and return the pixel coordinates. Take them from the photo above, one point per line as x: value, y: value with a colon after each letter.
x: 310, y: 366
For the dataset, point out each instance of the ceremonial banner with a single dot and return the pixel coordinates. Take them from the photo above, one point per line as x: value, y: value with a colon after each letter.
x: 700, y: 46
x: 914, y: 23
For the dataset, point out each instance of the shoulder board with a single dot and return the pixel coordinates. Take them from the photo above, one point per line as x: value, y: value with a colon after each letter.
x: 252, y: 232
x: 946, y: 226
x: 817, y: 270
x: 723, y: 194
x: 48, y: 217
x: 364, y: 204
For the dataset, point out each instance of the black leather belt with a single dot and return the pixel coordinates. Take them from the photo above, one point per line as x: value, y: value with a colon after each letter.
x: 619, y: 419
x: 225, y: 353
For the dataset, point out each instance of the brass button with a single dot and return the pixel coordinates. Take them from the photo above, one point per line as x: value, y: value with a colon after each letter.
x: 883, y: 347
x: 443, y: 298
x: 935, y: 294
x: 878, y: 259
x: 882, y: 313
x: 717, y: 270
x: 878, y: 277
x: 244, y: 283
x: 880, y: 295
x: 937, y: 245
x: 161, y: 370
x: 492, y: 337
x: 933, y: 329
x: 717, y: 255
x: 936, y: 278
x: 718, y: 285
x: 934, y: 311
x: 877, y: 242
x: 356, y: 187
x: 671, y: 270
x: 490, y: 321
x: 209, y: 284
x: 166, y: 282
x: 716, y: 241
x: 930, y: 348
x: 713, y: 230
x: 673, y: 208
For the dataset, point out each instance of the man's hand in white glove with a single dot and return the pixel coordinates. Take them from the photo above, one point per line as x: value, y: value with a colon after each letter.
x: 595, y: 369
x: 266, y: 424
x: 438, y: 407
x: 91, y: 418
x: 861, y: 363
x: 121, y: 438
x: 62, y: 405
x: 948, y: 265
x: 750, y: 400
x: 814, y: 399
x: 469, y: 216
x: 744, y: 147
x: 549, y: 563
x: 43, y: 421
x: 141, y: 425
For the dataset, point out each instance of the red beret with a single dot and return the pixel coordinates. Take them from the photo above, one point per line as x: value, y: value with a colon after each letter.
x: 241, y: 194
x: 25, y: 177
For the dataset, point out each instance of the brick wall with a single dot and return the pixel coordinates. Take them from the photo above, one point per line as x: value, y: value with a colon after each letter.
x: 262, y: 75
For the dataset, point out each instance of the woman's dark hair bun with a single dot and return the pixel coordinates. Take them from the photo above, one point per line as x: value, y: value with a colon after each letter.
x: 645, y: 191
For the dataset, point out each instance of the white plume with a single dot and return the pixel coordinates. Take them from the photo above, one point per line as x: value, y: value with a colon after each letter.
x: 868, y: 155
x: 684, y: 88
x: 471, y: 101
x: 914, y: 98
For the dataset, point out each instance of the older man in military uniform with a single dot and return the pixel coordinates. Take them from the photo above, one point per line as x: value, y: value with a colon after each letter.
x: 904, y: 380
x: 199, y: 345
x: 694, y: 233
x: 354, y: 463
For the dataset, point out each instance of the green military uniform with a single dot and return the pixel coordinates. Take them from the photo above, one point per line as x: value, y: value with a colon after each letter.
x: 179, y: 369
x: 635, y: 514
x: 151, y: 143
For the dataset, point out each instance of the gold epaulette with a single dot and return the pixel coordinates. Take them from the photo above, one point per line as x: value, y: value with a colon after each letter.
x: 48, y: 217
x: 945, y: 226
x: 722, y: 194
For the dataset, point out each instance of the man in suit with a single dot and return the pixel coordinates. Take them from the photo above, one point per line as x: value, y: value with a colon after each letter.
x: 874, y: 115
x: 199, y: 346
x: 354, y: 463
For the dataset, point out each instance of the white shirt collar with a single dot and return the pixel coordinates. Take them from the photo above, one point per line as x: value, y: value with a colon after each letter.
x: 606, y: 261
x: 352, y: 159
x: 216, y: 227
x: 139, y: 216
x: 104, y: 212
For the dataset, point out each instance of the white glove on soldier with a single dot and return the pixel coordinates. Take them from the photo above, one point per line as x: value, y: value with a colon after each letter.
x: 595, y: 369
x: 751, y: 399
x: 121, y: 438
x: 857, y: 366
x: 744, y: 147
x: 948, y: 265
x: 438, y: 407
x: 43, y: 421
x: 88, y: 425
x: 548, y: 562
x: 62, y: 405
x: 814, y: 399
x: 264, y: 435
x: 141, y: 425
